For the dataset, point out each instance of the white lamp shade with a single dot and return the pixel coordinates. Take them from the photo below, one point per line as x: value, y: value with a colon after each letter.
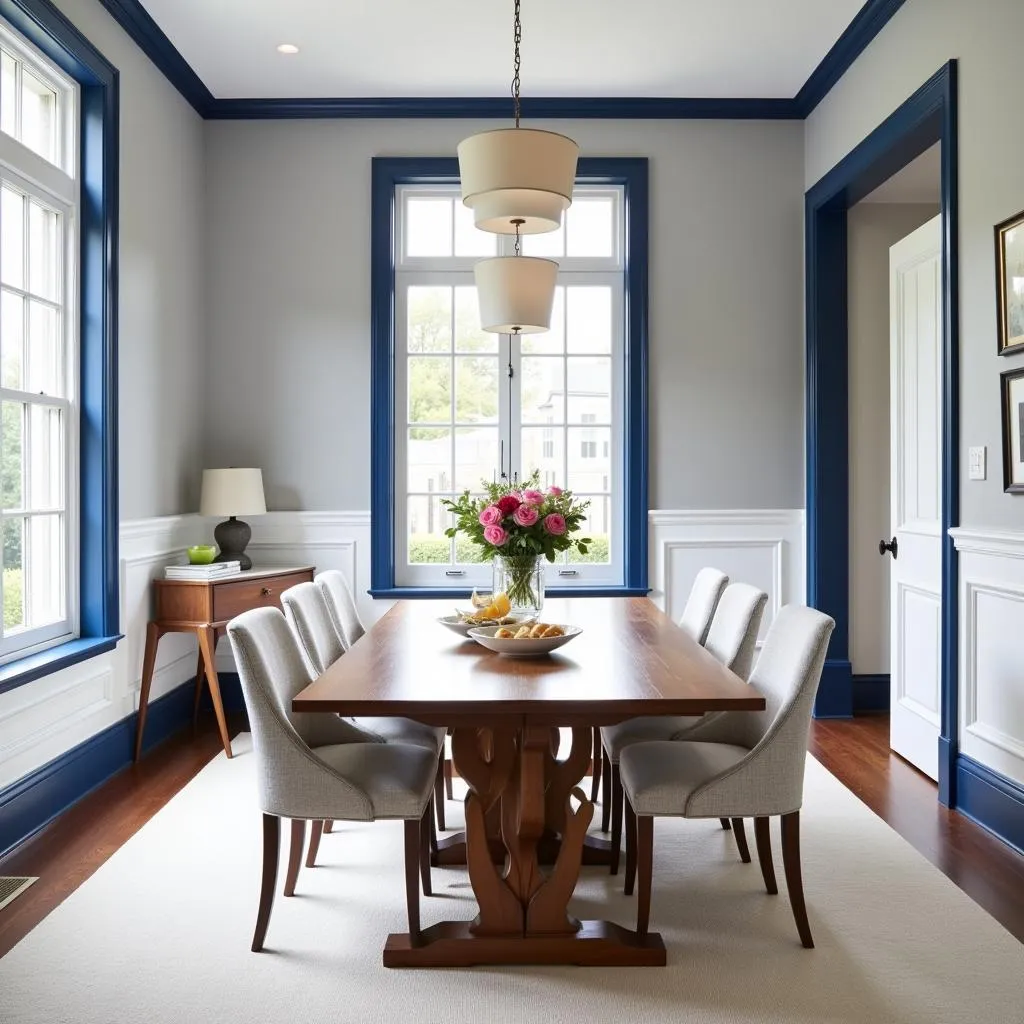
x: 516, y: 294
x: 517, y: 173
x: 232, y: 492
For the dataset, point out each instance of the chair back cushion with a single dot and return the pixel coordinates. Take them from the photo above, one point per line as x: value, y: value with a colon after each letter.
x: 733, y: 633
x: 305, y: 608
x: 700, y: 605
x: 342, y: 605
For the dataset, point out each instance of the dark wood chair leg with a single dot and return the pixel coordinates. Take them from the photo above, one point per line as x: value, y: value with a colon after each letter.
x: 426, y: 824
x: 328, y: 826
x: 645, y: 868
x: 616, y: 817
x: 606, y: 791
x: 295, y: 855
x: 762, y: 836
x: 314, y: 843
x: 439, y: 795
x: 412, y: 879
x: 630, y: 849
x: 271, y: 848
x: 433, y: 835
x: 741, y: 839
x: 726, y: 824
x: 595, y: 776
x: 449, y: 792
x: 794, y: 878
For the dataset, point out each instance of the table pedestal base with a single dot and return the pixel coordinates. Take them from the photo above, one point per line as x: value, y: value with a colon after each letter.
x: 596, y: 944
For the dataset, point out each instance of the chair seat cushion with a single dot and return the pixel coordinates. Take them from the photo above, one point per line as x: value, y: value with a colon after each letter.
x: 636, y: 730
x: 397, y: 778
x: 660, y: 776
x: 401, y: 730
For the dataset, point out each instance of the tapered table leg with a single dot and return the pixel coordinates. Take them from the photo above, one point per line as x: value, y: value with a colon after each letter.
x: 153, y: 634
x: 207, y: 645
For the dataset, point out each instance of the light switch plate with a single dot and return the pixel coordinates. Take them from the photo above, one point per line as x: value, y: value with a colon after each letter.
x: 976, y: 463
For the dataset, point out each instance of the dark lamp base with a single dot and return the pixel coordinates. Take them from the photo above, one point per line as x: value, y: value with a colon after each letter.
x: 232, y: 536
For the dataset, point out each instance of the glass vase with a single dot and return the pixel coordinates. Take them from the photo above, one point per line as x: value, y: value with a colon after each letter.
x: 521, y: 579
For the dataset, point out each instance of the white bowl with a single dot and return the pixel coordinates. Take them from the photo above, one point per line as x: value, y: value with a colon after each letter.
x: 484, y: 635
x: 457, y: 625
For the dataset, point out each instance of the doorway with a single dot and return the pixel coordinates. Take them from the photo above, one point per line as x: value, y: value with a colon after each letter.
x: 926, y: 119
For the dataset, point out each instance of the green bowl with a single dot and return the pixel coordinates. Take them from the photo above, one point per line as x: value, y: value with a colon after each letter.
x: 202, y: 554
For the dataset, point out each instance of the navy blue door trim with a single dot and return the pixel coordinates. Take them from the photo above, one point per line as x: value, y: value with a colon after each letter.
x: 929, y: 116
x: 386, y: 174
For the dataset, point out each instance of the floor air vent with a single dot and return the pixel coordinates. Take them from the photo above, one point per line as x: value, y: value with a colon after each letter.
x: 12, y: 888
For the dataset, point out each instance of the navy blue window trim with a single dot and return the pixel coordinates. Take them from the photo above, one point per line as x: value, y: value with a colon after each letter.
x: 387, y: 174
x: 51, y: 32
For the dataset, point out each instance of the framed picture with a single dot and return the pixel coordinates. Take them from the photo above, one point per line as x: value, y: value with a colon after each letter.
x: 1013, y: 431
x: 1010, y: 283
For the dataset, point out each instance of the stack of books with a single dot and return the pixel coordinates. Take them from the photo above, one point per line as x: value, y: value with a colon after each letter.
x: 213, y: 571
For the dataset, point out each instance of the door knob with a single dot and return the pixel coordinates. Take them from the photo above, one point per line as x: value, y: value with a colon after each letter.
x: 892, y: 546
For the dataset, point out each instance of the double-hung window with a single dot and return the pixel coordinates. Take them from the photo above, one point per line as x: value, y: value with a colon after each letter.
x: 467, y: 406
x: 39, y: 406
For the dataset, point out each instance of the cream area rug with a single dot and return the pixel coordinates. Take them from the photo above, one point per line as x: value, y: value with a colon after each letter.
x: 161, y: 932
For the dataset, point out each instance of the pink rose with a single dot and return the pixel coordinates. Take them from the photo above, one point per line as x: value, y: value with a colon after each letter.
x: 490, y: 516
x: 533, y: 497
x: 508, y: 504
x: 554, y: 524
x: 556, y: 491
x: 495, y: 535
x: 526, y: 515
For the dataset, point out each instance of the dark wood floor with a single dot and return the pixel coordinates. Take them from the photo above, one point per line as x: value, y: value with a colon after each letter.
x: 66, y: 853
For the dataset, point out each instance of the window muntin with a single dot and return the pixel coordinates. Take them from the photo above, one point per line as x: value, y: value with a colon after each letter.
x: 38, y: 352
x: 459, y: 419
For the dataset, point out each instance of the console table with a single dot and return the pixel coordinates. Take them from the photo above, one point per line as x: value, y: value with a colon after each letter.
x: 204, y: 607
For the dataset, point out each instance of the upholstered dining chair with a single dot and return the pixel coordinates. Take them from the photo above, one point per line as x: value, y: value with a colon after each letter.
x: 747, y: 764
x: 342, y: 605
x: 307, y: 611
x: 705, y: 593
x: 309, y: 769
x: 731, y: 639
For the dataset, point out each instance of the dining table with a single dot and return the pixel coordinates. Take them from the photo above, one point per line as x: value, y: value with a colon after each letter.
x: 527, y: 818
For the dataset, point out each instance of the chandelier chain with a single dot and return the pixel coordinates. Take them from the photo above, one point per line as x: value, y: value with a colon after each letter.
x: 517, y: 38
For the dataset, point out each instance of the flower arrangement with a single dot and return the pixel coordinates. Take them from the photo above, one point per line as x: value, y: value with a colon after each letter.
x: 521, y: 523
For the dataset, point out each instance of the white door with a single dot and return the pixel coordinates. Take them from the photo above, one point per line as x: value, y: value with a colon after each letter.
x: 915, y: 426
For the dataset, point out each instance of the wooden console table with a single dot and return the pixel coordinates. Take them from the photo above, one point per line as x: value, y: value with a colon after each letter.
x: 204, y: 607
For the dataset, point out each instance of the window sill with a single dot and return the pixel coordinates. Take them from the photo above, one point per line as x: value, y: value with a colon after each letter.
x: 35, y: 666
x: 430, y: 593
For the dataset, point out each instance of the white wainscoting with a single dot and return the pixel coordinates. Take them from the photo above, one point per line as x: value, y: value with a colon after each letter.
x: 761, y: 547
x: 991, y: 613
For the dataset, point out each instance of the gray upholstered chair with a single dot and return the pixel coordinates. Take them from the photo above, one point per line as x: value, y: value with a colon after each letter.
x: 308, y: 769
x: 342, y: 605
x: 739, y: 764
x: 306, y: 608
x: 731, y: 639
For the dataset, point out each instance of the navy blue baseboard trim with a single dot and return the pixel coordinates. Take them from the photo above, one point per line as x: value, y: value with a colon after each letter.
x: 994, y: 802
x: 870, y: 693
x: 947, y: 777
x: 835, y: 691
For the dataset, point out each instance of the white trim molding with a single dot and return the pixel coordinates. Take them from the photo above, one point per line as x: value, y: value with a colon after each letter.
x: 988, y: 542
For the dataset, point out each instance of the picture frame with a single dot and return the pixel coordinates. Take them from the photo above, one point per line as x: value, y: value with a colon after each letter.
x: 1012, y: 382
x: 1010, y: 284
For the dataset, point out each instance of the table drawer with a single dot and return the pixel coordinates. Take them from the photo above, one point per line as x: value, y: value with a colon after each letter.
x: 231, y: 599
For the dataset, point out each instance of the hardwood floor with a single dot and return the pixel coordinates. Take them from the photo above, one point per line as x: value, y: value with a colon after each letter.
x: 857, y: 752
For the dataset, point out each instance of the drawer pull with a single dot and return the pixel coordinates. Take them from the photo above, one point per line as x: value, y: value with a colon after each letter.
x: 265, y: 591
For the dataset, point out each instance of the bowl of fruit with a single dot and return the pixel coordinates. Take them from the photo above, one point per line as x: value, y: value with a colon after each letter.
x: 486, y: 611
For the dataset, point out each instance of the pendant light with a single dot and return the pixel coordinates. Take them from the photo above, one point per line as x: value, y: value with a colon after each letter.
x: 516, y: 293
x: 517, y: 180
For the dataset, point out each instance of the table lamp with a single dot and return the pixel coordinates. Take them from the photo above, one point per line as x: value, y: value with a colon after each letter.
x: 232, y: 493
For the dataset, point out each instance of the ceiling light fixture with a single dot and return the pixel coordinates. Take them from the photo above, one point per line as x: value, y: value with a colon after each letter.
x: 517, y: 180
x: 516, y: 293
x: 288, y: 48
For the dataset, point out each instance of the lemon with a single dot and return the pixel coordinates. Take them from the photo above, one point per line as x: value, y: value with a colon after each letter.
x: 500, y: 606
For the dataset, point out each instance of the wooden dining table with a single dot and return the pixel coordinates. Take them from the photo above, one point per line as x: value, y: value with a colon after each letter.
x: 524, y: 807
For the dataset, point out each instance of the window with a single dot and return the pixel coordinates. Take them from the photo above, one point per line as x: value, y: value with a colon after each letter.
x: 38, y: 317
x: 458, y: 406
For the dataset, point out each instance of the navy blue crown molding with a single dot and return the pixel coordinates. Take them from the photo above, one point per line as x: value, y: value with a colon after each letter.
x: 929, y: 116
x: 389, y: 172
x: 132, y: 16
x: 53, y: 34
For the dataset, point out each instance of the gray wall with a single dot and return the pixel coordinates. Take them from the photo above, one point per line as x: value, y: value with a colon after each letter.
x: 985, y: 36
x: 288, y: 303
x: 872, y: 229
x: 162, y: 353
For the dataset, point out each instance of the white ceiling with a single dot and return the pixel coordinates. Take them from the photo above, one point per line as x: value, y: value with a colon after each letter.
x: 381, y: 48
x: 919, y: 182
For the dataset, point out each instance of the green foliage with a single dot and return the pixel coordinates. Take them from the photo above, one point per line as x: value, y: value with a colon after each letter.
x: 425, y: 549
x: 596, y: 553
x: 14, y: 614
x: 10, y: 478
